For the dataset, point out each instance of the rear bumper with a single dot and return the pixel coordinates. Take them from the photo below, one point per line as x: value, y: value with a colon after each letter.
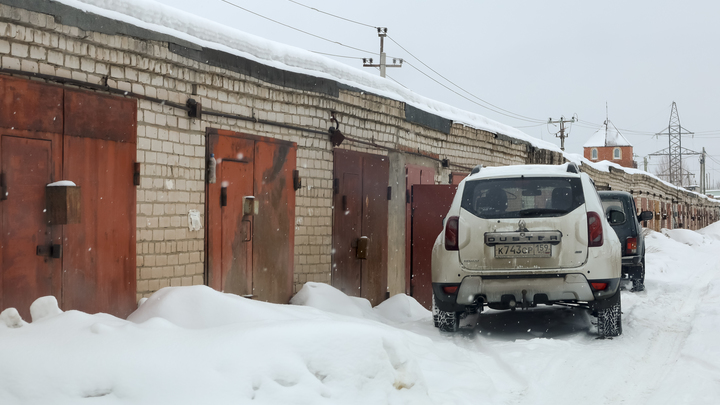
x: 529, y: 290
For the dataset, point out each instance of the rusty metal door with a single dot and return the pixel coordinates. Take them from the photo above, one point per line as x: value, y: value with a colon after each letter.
x: 251, y: 215
x: 360, y: 220
x: 230, y: 226
x: 414, y: 174
x: 430, y: 204
x: 27, y: 167
x: 99, y: 155
x: 50, y: 133
x: 273, y: 255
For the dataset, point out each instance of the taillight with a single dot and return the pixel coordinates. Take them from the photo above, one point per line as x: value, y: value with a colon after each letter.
x: 631, y: 245
x: 599, y: 286
x: 450, y: 289
x: 451, y: 233
x: 595, y: 229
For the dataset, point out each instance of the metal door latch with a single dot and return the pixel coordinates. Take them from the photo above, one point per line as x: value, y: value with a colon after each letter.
x: 362, y: 247
x: 54, y: 251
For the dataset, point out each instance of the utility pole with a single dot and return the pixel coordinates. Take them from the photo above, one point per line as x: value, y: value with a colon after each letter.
x: 703, y: 185
x: 645, y: 163
x: 382, y: 33
x: 676, y: 174
x: 561, y: 133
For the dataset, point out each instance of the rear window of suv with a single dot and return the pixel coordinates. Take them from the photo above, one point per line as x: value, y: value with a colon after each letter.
x: 618, y: 204
x: 522, y: 197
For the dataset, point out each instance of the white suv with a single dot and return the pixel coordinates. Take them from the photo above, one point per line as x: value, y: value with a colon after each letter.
x: 519, y: 236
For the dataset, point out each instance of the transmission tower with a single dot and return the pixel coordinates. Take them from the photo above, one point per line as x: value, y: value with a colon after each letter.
x: 675, y: 172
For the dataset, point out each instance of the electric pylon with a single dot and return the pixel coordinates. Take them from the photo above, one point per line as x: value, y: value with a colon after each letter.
x: 675, y: 172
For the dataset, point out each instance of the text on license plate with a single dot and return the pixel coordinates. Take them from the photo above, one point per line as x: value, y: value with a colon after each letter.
x: 524, y: 250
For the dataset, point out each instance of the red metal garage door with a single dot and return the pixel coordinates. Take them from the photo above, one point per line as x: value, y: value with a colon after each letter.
x: 250, y: 252
x: 430, y: 204
x: 414, y: 174
x: 360, y: 211
x: 48, y: 134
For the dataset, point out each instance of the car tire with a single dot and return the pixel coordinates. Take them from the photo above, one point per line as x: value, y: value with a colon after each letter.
x: 434, y: 311
x: 448, y: 321
x: 609, y: 319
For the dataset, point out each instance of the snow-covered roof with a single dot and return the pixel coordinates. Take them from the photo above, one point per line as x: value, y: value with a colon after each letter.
x: 607, y: 135
x: 166, y: 20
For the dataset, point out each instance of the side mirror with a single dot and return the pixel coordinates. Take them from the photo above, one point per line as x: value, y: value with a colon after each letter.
x: 615, y: 217
x: 645, y: 216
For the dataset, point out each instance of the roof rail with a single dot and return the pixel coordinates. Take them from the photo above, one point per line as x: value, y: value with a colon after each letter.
x: 476, y: 169
x: 573, y: 168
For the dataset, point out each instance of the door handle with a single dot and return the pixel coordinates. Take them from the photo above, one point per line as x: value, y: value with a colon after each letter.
x: 54, y: 251
x: 247, y: 230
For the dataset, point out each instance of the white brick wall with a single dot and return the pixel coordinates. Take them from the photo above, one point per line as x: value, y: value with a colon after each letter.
x: 171, y: 146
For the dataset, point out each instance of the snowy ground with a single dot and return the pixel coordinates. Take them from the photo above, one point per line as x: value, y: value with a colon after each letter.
x: 193, y: 345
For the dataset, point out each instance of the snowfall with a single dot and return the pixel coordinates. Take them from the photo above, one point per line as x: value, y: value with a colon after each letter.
x: 194, y: 345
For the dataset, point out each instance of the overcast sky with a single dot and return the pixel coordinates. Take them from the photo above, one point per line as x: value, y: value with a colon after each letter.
x: 536, y: 59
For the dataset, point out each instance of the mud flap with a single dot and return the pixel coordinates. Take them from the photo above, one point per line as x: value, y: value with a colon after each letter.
x: 605, y: 303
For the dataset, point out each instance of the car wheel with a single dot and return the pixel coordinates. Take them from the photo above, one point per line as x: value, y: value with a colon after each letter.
x: 434, y: 312
x: 610, y: 319
x: 448, y: 321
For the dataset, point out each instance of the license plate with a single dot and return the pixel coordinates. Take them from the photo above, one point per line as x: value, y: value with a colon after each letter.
x: 523, y: 250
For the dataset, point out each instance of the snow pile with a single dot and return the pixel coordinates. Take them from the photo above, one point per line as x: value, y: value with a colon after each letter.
x: 396, y: 310
x: 191, y: 345
x: 685, y: 236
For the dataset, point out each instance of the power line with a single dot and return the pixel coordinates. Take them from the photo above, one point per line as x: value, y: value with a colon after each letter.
x: 448, y: 88
x: 293, y: 28
x: 513, y: 115
x: 519, y: 116
x: 337, y: 56
x: 495, y: 109
x: 332, y: 15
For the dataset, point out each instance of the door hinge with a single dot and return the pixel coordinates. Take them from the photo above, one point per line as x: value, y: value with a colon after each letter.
x: 407, y: 196
x: 3, y: 187
x: 297, y: 181
x: 223, y: 196
x: 136, y: 174
x: 389, y: 193
x: 336, y: 186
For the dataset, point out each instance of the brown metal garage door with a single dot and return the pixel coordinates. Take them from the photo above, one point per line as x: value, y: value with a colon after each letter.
x: 430, y: 204
x: 360, y: 212
x: 250, y: 253
x: 49, y: 133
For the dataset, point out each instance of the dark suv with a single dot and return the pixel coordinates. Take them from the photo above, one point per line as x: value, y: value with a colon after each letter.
x: 628, y: 229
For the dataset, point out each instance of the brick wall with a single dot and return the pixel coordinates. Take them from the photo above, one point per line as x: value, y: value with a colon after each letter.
x: 608, y: 153
x: 171, y: 146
